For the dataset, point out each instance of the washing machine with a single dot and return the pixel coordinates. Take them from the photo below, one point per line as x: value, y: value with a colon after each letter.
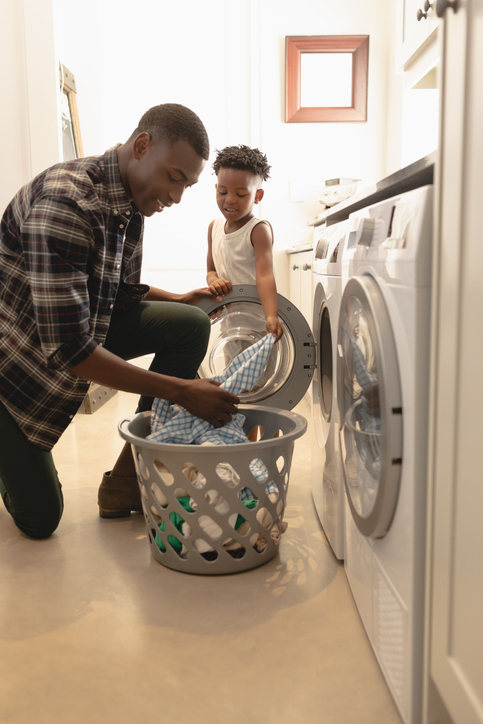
x: 383, y: 383
x: 327, y: 480
x: 237, y: 322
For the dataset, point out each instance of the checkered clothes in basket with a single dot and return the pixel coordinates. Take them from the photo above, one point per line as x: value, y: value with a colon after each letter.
x: 173, y: 424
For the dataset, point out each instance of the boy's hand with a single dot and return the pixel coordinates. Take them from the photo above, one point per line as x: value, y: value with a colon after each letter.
x: 273, y: 326
x: 221, y: 287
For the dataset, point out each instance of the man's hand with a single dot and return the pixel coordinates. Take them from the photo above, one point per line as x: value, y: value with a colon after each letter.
x: 196, y: 295
x: 206, y: 399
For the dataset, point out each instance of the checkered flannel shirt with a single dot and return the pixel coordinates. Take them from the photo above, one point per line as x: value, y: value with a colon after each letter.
x: 70, y: 251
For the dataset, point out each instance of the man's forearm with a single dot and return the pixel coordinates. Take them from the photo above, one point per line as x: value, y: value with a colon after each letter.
x: 107, y: 369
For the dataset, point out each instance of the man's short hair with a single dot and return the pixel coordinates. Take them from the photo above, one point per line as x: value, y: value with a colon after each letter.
x: 173, y: 122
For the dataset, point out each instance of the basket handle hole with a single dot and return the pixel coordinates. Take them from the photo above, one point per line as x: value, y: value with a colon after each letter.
x: 256, y: 433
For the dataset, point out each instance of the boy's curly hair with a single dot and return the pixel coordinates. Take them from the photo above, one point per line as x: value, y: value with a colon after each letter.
x: 243, y: 158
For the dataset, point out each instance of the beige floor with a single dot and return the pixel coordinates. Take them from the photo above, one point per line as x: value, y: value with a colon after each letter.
x: 93, y: 629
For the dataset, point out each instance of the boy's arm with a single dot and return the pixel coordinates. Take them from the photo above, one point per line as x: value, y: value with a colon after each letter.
x: 262, y: 241
x: 217, y: 286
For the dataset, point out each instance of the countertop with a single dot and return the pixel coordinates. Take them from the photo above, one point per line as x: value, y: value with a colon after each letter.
x: 419, y: 173
x: 297, y: 248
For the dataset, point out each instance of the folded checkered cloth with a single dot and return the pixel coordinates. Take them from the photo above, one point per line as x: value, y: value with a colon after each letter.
x: 173, y: 424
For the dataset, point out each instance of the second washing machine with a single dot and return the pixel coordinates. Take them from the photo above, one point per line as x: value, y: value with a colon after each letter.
x: 327, y: 479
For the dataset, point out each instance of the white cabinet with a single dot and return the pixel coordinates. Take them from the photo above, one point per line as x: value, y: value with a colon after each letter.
x: 413, y: 34
x: 456, y: 533
x: 301, y: 285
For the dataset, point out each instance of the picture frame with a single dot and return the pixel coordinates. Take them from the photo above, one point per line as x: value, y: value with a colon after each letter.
x: 314, y: 67
x: 70, y: 127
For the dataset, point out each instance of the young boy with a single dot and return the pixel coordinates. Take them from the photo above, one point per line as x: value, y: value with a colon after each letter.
x: 239, y: 244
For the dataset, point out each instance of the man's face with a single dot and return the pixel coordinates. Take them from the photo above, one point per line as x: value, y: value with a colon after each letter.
x: 158, y: 174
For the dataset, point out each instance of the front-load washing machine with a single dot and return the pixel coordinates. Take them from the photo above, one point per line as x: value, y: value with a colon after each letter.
x: 237, y: 322
x: 327, y: 481
x: 383, y: 383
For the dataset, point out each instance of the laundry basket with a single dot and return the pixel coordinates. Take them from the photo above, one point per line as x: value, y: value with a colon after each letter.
x: 216, y: 509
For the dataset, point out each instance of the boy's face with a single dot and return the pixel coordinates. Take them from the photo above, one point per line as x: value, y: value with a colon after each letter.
x: 158, y: 174
x: 236, y: 193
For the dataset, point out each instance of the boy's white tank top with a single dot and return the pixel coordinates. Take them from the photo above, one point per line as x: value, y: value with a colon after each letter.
x: 233, y: 254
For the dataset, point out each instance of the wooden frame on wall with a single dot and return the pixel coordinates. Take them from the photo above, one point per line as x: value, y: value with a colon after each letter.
x: 70, y: 128
x: 356, y: 107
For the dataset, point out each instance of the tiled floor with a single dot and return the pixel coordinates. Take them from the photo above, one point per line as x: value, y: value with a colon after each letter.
x: 93, y: 629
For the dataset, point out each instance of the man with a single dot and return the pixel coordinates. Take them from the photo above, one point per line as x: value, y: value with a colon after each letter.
x: 72, y: 310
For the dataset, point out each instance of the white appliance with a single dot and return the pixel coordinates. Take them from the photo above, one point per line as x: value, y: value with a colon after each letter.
x: 383, y: 383
x: 327, y: 481
x: 237, y: 322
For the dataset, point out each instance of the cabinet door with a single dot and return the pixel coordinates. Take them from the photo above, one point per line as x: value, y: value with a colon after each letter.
x: 301, y: 284
x: 294, y: 279
x: 413, y: 35
x: 306, y: 296
x: 456, y: 533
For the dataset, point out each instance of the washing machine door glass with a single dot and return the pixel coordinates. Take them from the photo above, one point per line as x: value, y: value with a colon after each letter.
x: 370, y: 406
x: 238, y: 322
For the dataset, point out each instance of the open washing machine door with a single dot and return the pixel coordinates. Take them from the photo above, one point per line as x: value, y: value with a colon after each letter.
x: 370, y: 405
x: 237, y: 322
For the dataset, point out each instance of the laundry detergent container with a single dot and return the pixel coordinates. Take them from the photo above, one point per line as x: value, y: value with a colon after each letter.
x: 219, y: 509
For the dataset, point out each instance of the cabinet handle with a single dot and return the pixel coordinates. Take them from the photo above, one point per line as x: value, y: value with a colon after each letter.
x: 427, y: 5
x: 306, y: 267
x: 295, y: 267
x: 420, y: 15
x: 443, y: 5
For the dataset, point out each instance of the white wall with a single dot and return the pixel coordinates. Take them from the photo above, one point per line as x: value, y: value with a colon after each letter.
x: 305, y: 154
x: 29, y: 121
x: 226, y: 61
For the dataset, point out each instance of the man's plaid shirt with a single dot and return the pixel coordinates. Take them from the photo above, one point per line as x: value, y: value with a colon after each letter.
x: 70, y: 249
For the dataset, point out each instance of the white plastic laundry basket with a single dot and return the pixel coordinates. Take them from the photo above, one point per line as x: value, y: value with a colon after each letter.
x: 216, y: 509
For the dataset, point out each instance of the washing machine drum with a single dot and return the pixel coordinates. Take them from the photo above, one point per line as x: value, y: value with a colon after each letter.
x: 237, y: 322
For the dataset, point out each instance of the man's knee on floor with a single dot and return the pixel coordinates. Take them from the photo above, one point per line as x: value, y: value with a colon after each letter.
x: 40, y: 524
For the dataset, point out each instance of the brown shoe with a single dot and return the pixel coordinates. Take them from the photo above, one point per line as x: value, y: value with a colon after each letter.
x: 118, y: 496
